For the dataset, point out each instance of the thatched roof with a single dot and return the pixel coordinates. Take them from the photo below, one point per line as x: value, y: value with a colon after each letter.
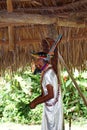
x: 24, y: 23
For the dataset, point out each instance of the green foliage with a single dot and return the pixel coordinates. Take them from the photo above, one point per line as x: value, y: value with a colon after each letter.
x: 19, y: 88
x: 16, y: 92
x: 73, y: 103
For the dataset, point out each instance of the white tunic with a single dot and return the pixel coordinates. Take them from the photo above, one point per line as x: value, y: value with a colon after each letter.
x: 52, y: 113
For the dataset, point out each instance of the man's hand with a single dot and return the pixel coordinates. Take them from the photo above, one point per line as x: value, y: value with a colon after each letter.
x: 42, y: 98
x: 32, y: 105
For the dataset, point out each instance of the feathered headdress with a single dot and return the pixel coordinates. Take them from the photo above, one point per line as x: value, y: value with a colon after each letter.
x: 47, y: 55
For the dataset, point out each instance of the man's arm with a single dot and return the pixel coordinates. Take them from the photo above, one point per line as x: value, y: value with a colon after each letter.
x: 43, y: 98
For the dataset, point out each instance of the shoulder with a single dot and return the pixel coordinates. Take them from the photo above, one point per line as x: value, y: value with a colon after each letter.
x: 49, y: 73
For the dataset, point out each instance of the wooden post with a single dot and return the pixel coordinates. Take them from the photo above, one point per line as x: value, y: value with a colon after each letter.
x: 9, y: 6
x: 75, y: 83
x: 11, y: 37
x: 10, y: 28
x: 59, y: 82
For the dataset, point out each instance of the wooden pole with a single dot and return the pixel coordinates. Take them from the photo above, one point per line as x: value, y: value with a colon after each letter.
x: 75, y: 83
x: 10, y: 27
x: 11, y: 37
x: 59, y: 82
x: 23, y: 19
x: 9, y: 6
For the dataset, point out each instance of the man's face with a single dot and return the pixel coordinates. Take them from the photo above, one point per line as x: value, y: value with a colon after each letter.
x: 39, y: 63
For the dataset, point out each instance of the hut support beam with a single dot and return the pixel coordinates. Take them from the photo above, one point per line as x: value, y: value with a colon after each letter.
x: 75, y: 83
x: 11, y: 37
x: 9, y: 6
x: 21, y: 18
x: 10, y: 27
x: 68, y: 23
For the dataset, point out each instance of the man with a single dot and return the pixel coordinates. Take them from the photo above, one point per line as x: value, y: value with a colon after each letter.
x: 50, y: 96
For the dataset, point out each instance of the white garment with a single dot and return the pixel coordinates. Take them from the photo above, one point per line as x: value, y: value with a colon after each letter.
x: 52, y: 115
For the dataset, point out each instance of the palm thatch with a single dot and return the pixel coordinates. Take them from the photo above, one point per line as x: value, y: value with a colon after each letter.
x: 25, y: 23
